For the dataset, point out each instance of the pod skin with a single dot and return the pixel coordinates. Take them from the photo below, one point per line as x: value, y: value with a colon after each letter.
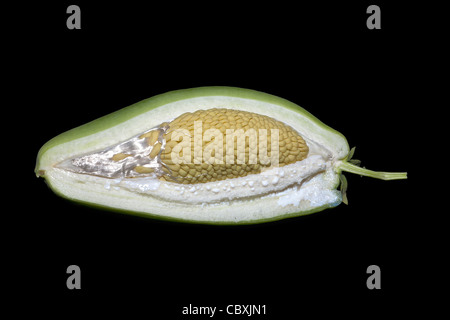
x: 293, y: 190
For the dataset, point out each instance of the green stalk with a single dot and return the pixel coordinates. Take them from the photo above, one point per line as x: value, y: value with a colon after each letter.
x: 348, y: 167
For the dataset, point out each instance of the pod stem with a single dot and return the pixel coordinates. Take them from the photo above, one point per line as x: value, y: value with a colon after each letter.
x: 349, y: 167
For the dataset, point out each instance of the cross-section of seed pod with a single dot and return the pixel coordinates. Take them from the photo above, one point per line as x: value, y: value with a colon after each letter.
x: 209, y: 155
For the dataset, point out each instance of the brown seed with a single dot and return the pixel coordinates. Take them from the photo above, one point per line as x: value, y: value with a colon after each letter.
x: 291, y: 146
x: 120, y: 156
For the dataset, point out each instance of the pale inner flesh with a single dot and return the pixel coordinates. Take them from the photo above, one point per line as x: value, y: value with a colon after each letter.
x: 136, y: 165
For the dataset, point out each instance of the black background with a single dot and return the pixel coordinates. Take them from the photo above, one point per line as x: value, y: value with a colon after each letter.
x: 360, y: 82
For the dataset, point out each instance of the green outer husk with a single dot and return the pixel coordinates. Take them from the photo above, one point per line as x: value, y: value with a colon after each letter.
x: 143, y: 106
x: 146, y: 105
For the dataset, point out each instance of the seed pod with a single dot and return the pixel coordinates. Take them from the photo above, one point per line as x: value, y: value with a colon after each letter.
x: 209, y: 155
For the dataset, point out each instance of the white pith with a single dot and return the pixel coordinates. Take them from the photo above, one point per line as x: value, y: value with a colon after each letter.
x: 298, y: 187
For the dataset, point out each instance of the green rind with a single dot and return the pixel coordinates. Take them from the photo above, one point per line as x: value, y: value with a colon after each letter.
x: 127, y: 113
x: 143, y: 106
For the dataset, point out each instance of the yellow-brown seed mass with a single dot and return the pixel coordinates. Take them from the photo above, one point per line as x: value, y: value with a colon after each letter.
x: 211, y: 160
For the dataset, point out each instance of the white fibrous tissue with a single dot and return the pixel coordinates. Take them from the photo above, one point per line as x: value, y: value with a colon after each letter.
x: 293, y: 177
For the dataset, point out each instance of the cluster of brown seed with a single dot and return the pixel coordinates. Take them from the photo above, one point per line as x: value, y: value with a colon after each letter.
x: 204, y: 163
